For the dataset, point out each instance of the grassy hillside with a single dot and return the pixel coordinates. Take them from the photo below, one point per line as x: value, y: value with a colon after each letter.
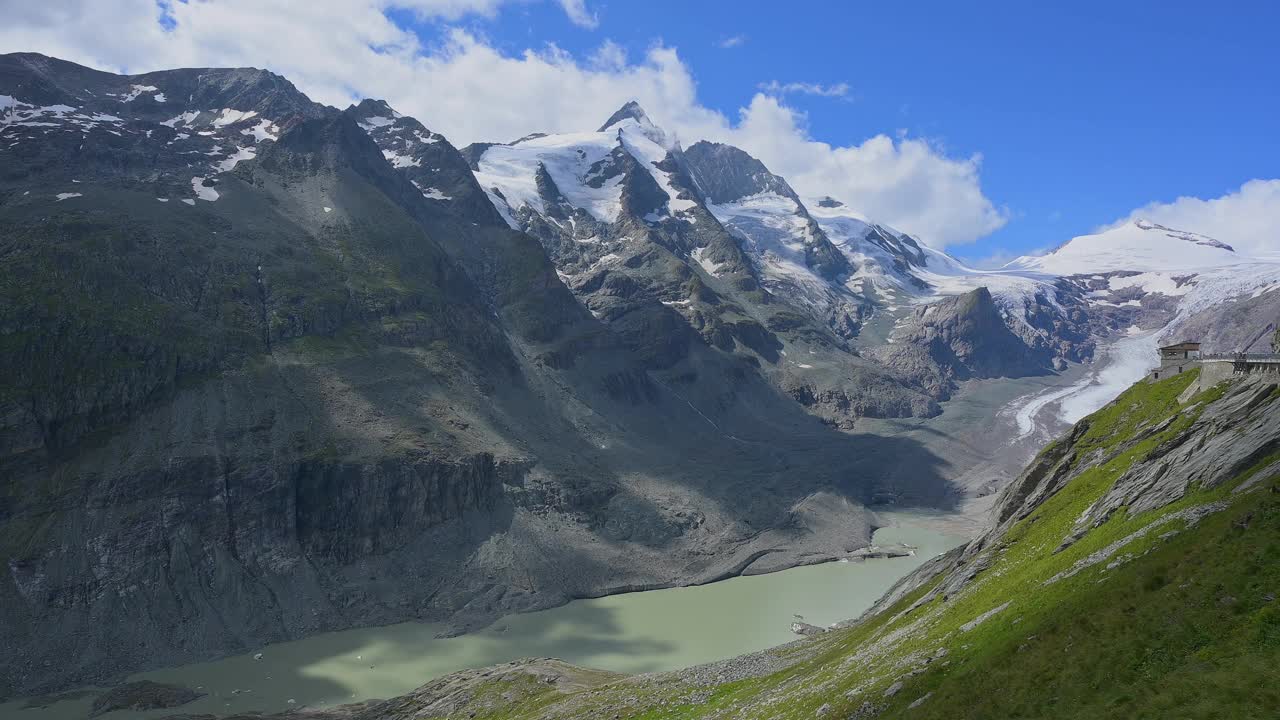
x: 1169, y: 611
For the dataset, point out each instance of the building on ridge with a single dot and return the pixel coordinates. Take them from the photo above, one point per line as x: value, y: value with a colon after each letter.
x: 1177, y: 358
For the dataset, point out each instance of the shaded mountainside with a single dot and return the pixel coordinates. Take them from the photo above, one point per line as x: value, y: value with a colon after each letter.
x: 1133, y: 570
x: 258, y: 379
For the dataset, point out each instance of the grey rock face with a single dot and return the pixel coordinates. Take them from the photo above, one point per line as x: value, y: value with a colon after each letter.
x: 725, y: 173
x: 166, y: 133
x: 428, y: 160
x: 1228, y: 326
x: 959, y: 338
x: 1231, y: 435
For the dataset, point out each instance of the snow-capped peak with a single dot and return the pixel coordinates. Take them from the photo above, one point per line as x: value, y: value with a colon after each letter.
x: 1136, y: 246
x: 632, y: 119
x: 631, y: 110
x: 1196, y: 238
x: 583, y: 169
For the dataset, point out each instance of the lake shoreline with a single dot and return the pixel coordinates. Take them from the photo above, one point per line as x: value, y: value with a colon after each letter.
x: 665, y: 629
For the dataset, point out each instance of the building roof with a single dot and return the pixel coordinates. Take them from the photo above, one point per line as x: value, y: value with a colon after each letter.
x: 1182, y: 346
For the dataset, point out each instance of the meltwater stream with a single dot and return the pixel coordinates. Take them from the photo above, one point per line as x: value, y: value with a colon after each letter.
x: 631, y: 633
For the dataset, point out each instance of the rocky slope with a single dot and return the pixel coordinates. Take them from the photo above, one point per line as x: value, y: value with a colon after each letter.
x: 1130, y: 570
x: 959, y: 338
x: 269, y: 368
x: 625, y: 215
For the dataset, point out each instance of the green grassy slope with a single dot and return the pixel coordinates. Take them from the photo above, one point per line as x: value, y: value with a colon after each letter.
x: 1180, y: 620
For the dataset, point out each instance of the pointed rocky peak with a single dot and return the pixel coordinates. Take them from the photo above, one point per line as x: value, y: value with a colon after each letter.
x: 630, y: 111
x: 369, y: 107
x: 372, y: 114
x: 726, y: 173
x: 632, y: 120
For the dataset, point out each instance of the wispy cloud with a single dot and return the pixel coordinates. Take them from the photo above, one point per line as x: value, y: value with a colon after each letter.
x: 803, y: 88
x: 733, y: 42
x: 579, y: 14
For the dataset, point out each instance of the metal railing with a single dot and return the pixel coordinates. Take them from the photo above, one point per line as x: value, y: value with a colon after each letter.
x: 1243, y: 357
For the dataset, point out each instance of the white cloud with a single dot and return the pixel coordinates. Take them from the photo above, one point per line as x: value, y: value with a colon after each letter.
x: 1247, y: 219
x: 733, y: 41
x: 579, y: 14
x: 776, y: 88
x: 338, y: 51
x: 908, y: 183
x: 450, y: 9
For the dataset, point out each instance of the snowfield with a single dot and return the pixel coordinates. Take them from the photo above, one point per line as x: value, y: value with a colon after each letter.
x: 567, y: 159
x: 1138, y: 245
x: 583, y: 167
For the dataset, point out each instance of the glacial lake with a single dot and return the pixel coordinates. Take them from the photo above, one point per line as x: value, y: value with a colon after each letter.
x: 629, y: 633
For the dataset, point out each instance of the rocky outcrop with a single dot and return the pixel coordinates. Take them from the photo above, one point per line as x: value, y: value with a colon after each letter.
x: 428, y: 160
x: 1235, y: 426
x: 867, y: 394
x: 1230, y: 325
x: 726, y: 173
x: 958, y: 338
x: 1229, y: 435
x: 805, y: 629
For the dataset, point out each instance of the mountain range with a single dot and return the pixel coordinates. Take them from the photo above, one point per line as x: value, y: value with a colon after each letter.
x: 269, y: 368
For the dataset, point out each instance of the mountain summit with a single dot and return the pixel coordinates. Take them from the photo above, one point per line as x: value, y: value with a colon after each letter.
x: 631, y: 110
x: 1136, y: 246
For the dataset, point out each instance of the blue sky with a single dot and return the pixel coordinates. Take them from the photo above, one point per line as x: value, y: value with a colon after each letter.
x: 1082, y: 111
